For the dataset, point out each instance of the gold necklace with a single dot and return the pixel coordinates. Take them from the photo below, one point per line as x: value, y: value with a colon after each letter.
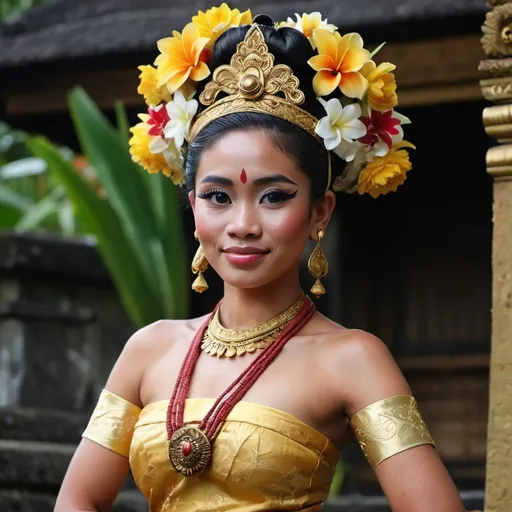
x: 219, y: 341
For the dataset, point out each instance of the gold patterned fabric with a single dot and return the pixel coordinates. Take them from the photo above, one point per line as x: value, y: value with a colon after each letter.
x: 112, y: 422
x: 263, y: 459
x: 388, y: 427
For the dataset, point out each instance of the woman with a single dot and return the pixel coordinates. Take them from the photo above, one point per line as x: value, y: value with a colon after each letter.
x: 260, y: 426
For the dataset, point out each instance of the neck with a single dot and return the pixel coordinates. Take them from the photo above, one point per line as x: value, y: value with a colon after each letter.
x: 244, y: 308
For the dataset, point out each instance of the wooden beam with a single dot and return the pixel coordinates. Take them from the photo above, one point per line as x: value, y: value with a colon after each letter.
x: 428, y: 72
x: 433, y: 364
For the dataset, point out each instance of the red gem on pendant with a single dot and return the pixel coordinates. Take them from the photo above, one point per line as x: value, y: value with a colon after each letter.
x: 243, y: 177
x: 186, y: 448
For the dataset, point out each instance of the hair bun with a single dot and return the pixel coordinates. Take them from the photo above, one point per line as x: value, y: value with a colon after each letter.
x: 263, y: 19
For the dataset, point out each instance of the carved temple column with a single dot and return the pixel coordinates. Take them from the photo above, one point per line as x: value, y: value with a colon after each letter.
x: 497, y: 87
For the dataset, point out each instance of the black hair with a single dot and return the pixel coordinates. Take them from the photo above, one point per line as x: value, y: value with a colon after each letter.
x: 289, y: 46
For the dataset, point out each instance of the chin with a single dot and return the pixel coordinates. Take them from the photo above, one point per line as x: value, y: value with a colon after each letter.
x: 247, y: 282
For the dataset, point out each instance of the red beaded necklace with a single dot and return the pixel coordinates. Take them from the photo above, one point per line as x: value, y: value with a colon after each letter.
x: 190, y: 447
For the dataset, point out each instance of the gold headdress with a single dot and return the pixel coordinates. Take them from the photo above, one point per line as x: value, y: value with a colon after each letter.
x: 252, y: 83
x: 360, y: 125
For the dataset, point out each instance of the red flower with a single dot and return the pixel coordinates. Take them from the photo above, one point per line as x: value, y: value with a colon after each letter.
x: 158, y: 118
x: 380, y: 127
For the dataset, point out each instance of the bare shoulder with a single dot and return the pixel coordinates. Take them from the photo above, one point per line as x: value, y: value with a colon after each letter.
x: 144, y: 347
x: 157, y: 337
x: 361, y: 368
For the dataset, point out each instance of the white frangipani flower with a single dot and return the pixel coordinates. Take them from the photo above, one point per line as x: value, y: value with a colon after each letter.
x: 174, y: 157
x: 309, y: 22
x: 348, y: 150
x: 342, y: 124
x: 181, y: 112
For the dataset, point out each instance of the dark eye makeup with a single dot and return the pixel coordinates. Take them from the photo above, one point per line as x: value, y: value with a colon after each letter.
x: 217, y: 196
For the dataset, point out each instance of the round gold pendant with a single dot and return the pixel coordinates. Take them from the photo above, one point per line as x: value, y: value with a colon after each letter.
x: 189, y: 451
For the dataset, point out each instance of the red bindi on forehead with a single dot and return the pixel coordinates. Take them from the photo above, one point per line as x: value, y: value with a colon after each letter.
x: 243, y: 177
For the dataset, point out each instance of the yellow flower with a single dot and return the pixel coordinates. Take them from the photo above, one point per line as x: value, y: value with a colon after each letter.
x: 338, y: 63
x: 152, y: 162
x: 182, y: 57
x: 308, y: 23
x: 153, y: 95
x: 215, y: 21
x: 386, y: 173
x: 381, y: 85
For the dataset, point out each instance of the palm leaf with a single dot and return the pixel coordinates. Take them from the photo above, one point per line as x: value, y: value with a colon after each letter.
x: 100, y: 218
x: 119, y: 176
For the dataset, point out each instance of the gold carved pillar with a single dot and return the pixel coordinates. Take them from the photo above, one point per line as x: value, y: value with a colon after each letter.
x: 497, y: 87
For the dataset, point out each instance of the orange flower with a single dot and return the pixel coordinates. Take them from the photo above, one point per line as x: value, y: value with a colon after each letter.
x: 182, y: 57
x: 215, y: 21
x: 382, y: 85
x: 386, y: 173
x: 153, y: 95
x: 338, y: 63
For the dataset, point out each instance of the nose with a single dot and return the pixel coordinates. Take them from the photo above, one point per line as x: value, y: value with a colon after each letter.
x: 245, y: 222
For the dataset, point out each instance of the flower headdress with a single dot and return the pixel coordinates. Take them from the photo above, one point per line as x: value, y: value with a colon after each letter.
x: 360, y: 126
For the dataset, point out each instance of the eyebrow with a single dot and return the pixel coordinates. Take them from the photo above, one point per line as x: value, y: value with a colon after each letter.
x: 217, y: 179
x: 274, y: 178
x: 266, y: 180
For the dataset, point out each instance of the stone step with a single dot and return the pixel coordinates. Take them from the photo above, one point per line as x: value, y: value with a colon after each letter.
x: 42, y: 425
x: 16, y: 501
x: 37, y: 465
x: 33, y: 464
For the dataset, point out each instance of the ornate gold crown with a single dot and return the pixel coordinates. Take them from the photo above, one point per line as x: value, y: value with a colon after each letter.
x: 252, y: 83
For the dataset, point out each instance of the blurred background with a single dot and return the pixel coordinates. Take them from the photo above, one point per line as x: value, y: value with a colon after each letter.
x: 91, y: 248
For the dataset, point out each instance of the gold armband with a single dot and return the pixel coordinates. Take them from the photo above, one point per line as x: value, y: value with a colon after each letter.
x: 388, y: 427
x: 112, y: 423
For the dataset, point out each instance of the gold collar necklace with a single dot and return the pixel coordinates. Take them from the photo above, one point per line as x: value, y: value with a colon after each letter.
x: 219, y: 341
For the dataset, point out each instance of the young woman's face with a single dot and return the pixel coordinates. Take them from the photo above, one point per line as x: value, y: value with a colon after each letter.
x: 252, y: 210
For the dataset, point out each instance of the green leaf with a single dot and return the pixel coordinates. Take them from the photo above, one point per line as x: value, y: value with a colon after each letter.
x: 147, y: 205
x: 120, y: 177
x: 136, y: 295
x: 377, y: 50
x: 122, y: 124
x: 9, y: 216
x: 39, y: 212
x: 164, y: 197
x: 22, y: 168
x: 14, y: 199
x: 339, y: 478
x: 66, y: 218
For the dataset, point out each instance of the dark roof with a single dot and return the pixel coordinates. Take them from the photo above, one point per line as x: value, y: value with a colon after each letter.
x: 69, y: 29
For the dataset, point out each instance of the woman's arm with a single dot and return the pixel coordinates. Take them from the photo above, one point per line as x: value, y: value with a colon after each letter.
x: 413, y: 480
x: 96, y: 474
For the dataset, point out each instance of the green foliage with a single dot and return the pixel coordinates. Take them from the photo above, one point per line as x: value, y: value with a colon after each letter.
x: 137, y: 222
x: 12, y: 7
x: 29, y: 198
x: 338, y: 479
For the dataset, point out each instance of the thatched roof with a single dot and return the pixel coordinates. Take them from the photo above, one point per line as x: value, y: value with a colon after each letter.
x: 71, y: 29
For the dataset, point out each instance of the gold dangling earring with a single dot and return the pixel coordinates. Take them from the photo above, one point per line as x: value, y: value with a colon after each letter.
x: 199, y: 265
x: 318, y: 266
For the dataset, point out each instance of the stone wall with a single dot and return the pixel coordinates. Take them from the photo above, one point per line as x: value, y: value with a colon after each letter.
x: 61, y: 329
